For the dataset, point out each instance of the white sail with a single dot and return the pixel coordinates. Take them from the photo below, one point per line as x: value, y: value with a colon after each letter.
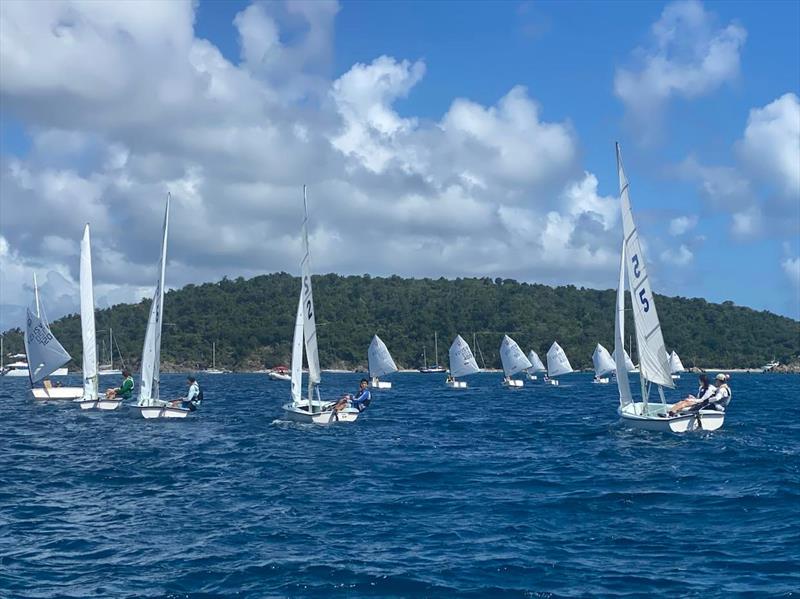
x: 602, y: 360
x: 309, y: 321
x: 87, y: 319
x: 462, y: 362
x: 512, y: 357
x: 675, y: 364
x: 45, y: 354
x: 380, y: 360
x: 620, y: 355
x: 297, y: 352
x: 557, y: 362
x: 536, y: 363
x: 151, y: 353
x: 653, y: 359
x: 628, y: 362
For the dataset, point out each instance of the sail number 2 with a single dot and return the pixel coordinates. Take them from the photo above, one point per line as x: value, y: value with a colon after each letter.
x: 635, y: 261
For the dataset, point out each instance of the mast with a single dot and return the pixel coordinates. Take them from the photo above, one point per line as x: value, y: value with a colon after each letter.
x: 436, y: 347
x: 213, y: 355
x: 36, y: 294
x: 111, y: 348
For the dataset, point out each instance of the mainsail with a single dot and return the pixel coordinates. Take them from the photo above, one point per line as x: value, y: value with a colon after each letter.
x: 653, y: 359
x: 675, y: 364
x: 628, y: 362
x: 45, y: 353
x: 620, y: 355
x: 297, y: 352
x: 380, y: 360
x: 512, y: 357
x: 602, y: 360
x: 536, y: 363
x: 307, y: 295
x: 557, y: 362
x: 151, y: 353
x: 462, y: 362
x: 87, y: 319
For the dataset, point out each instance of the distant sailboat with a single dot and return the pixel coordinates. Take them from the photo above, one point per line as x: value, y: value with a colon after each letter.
x: 380, y: 363
x: 435, y: 367
x: 557, y: 363
x: 462, y: 363
x: 675, y: 365
x: 536, y: 365
x: 44, y: 355
x: 108, y: 369
x: 311, y: 410
x: 603, y: 364
x: 213, y: 369
x: 514, y: 361
x: 654, y: 363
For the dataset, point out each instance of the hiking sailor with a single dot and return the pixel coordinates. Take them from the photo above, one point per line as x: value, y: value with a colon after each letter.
x: 124, y: 391
x: 708, y: 396
x: 194, y: 396
x: 360, y: 401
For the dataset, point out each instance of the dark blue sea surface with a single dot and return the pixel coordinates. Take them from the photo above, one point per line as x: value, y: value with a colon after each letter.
x: 486, y: 492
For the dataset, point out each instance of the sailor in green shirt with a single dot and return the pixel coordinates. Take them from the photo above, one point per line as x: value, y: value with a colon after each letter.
x: 125, y: 391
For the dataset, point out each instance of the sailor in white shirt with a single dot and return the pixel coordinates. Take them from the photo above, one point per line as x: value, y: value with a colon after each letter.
x: 704, y: 392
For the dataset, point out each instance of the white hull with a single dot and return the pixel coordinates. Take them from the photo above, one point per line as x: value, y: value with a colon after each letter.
x: 381, y: 385
x: 533, y: 377
x: 707, y: 420
x: 276, y: 376
x: 513, y: 383
x: 151, y: 412
x: 675, y: 377
x: 87, y: 404
x: 24, y: 372
x: 601, y: 381
x: 456, y: 384
x: 300, y: 413
x: 553, y: 382
x: 212, y: 371
x: 108, y: 404
x: 57, y: 393
x: 114, y: 372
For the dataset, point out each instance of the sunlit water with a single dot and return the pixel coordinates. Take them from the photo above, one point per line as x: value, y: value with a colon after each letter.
x: 433, y: 492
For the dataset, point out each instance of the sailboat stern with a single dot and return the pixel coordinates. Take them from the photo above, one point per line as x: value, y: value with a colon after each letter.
x: 57, y: 393
x: 513, y: 383
x: 319, y: 414
x: 641, y: 417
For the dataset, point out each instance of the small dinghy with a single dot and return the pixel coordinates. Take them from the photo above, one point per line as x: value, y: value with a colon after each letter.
x: 536, y: 366
x: 281, y: 373
x: 311, y: 410
x: 654, y: 363
x: 380, y: 363
x: 45, y: 355
x: 557, y: 364
x: 675, y: 366
x: 462, y: 363
x: 603, y: 365
x: 514, y: 361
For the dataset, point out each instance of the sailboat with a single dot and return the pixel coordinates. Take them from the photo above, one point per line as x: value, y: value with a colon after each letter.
x: 311, y: 410
x: 557, y: 363
x: 434, y: 368
x: 675, y: 365
x: 462, y: 363
x: 150, y: 403
x: 603, y: 364
x: 536, y: 365
x: 108, y: 369
x: 213, y: 369
x: 653, y: 360
x: 45, y: 355
x: 380, y: 363
x: 514, y: 361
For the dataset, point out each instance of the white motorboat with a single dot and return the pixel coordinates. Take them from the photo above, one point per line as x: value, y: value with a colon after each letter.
x: 380, y: 363
x: 557, y: 364
x: 311, y: 410
x: 278, y: 375
x: 514, y: 361
x: 654, y: 363
x: 462, y: 363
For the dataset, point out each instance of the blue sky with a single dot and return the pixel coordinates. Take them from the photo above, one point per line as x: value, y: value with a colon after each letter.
x: 711, y: 143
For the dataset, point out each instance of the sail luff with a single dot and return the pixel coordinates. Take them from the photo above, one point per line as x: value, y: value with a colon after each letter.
x: 297, y: 352
x: 88, y: 333
x: 653, y: 359
x: 462, y: 361
x: 557, y: 361
x: 379, y: 358
x: 620, y: 356
x: 309, y: 315
x: 512, y: 357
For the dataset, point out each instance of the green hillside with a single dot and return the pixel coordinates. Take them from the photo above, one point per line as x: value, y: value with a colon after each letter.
x: 252, y: 322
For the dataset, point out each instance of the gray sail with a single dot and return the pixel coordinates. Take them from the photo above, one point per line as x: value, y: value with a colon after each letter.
x: 45, y: 353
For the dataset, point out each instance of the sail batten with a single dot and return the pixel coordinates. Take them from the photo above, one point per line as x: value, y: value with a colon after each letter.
x: 88, y: 336
x: 462, y: 361
x: 379, y: 358
x: 512, y: 357
x: 557, y: 361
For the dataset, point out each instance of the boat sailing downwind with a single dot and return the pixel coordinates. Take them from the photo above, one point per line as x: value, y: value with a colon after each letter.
x: 462, y: 363
x: 380, y: 363
x: 514, y: 361
x: 557, y: 363
x: 603, y: 364
x: 536, y: 365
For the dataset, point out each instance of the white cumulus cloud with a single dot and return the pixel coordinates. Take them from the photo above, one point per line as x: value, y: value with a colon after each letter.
x: 682, y: 224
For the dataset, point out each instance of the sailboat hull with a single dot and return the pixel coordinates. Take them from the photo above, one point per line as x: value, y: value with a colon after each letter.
x: 675, y: 377
x: 109, y: 372
x: 152, y: 412
x: 707, y: 420
x: 109, y: 404
x: 300, y: 413
x: 600, y: 381
x: 553, y: 382
x: 57, y: 393
x: 277, y: 376
x: 456, y: 384
x: 513, y: 383
x: 380, y: 385
x: 532, y: 377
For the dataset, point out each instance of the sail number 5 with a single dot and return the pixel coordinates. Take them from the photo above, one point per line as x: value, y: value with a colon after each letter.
x: 644, y: 300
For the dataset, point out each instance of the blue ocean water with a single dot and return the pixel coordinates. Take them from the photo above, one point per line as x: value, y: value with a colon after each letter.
x: 486, y: 492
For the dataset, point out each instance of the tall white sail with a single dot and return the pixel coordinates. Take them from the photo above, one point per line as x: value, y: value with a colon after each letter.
x: 629, y: 365
x: 380, y: 360
x: 151, y: 353
x: 557, y: 362
x: 45, y: 353
x: 602, y: 360
x: 87, y: 319
x: 297, y: 352
x: 653, y: 359
x: 620, y: 355
x: 536, y: 363
x: 309, y: 321
x: 462, y: 362
x: 512, y: 357
x: 675, y: 364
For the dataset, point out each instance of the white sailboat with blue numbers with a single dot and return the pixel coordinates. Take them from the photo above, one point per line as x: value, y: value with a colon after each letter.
x: 654, y: 364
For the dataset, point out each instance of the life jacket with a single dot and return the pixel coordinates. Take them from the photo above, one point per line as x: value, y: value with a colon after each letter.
x: 722, y: 404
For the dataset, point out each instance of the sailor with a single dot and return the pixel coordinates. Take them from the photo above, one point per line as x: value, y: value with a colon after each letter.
x: 708, y: 395
x: 194, y: 396
x: 360, y: 401
x: 720, y: 400
x: 124, y: 391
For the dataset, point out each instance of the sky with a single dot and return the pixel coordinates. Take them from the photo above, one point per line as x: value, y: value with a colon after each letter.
x: 437, y: 139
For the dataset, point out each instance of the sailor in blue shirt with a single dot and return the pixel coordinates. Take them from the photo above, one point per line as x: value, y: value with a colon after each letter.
x: 360, y: 401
